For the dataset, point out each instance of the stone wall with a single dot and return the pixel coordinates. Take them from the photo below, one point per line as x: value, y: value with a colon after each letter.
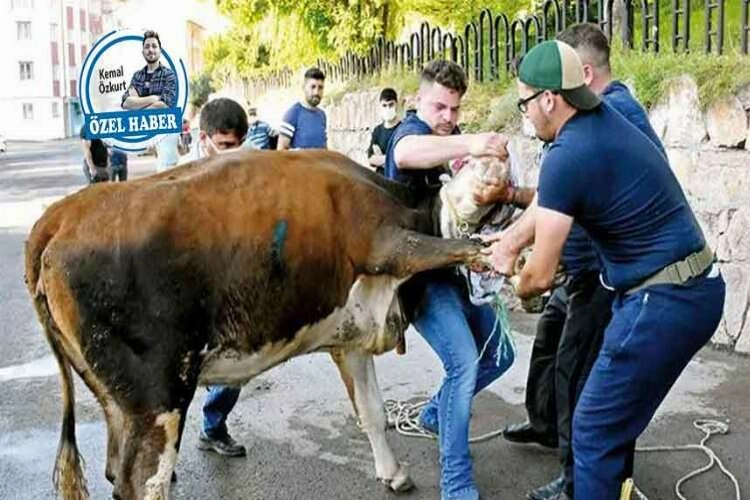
x: 709, y: 153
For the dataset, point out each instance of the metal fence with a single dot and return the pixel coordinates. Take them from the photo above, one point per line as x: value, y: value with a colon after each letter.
x: 487, y: 47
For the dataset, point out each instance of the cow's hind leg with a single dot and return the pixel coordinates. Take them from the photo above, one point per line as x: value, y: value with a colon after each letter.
x: 369, y: 403
x: 148, y: 454
x: 339, y: 358
x: 403, y: 253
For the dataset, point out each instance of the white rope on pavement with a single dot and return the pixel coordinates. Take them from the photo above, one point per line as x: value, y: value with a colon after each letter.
x: 404, y: 417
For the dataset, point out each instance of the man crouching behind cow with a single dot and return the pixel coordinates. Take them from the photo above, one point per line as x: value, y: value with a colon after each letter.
x: 438, y: 300
x: 222, y: 129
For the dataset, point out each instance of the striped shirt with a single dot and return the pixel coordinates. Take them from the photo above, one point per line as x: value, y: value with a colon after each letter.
x: 306, y: 127
x: 259, y: 136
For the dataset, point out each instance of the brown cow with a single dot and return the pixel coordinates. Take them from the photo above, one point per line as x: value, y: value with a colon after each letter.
x: 211, y: 274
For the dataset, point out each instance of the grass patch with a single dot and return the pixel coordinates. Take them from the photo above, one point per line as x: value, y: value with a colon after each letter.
x: 716, y: 76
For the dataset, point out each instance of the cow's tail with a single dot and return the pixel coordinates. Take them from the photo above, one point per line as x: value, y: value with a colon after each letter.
x: 67, y: 476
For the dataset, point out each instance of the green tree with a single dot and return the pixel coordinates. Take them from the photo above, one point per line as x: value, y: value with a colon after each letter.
x: 200, y: 89
x: 269, y: 35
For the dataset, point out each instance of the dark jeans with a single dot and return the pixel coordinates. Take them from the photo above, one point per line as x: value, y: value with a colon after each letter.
x: 119, y: 173
x: 219, y: 402
x: 589, y: 312
x: 541, y: 402
x: 568, y: 339
x: 652, y: 336
x: 102, y: 174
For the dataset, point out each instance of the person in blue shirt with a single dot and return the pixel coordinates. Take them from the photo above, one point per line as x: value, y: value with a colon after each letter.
x: 437, y: 302
x: 260, y: 135
x: 571, y: 326
x: 605, y: 173
x: 223, y: 126
x: 304, y: 124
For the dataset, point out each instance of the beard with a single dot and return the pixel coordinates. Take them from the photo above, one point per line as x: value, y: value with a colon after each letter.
x: 151, y: 58
x: 313, y: 100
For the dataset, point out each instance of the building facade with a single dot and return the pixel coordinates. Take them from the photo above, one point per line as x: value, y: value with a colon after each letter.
x: 44, y: 43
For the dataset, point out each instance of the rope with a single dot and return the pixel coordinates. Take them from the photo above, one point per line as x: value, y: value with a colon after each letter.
x: 709, y: 428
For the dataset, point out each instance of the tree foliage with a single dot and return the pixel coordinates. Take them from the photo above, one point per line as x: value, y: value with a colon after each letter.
x: 268, y: 35
x: 200, y: 89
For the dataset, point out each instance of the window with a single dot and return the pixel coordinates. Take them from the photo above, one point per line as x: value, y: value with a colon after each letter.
x: 83, y: 52
x: 82, y: 19
x: 69, y: 16
x: 56, y: 88
x: 54, y: 53
x: 26, y: 70
x: 55, y: 110
x: 28, y: 111
x: 22, y: 4
x: 73, y: 89
x: 71, y: 54
x: 23, y: 30
x: 54, y: 32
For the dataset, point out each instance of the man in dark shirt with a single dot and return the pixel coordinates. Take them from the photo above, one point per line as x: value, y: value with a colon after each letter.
x: 438, y: 301
x: 95, y: 159
x: 615, y: 182
x: 155, y: 85
x: 570, y: 329
x: 383, y: 132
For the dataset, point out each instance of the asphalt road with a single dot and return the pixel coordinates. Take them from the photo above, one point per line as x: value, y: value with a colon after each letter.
x: 296, y: 420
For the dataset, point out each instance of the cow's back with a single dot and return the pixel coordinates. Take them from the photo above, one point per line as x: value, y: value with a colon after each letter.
x: 259, y: 243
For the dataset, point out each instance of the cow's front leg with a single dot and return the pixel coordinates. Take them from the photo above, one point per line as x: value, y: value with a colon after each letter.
x: 369, y: 402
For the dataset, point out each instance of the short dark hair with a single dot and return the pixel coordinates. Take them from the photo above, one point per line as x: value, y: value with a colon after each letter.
x: 314, y: 74
x: 388, y: 94
x: 589, y: 38
x: 225, y: 116
x: 446, y: 73
x: 151, y: 34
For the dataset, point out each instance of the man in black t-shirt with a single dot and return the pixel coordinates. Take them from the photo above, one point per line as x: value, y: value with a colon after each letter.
x: 95, y: 159
x: 383, y: 132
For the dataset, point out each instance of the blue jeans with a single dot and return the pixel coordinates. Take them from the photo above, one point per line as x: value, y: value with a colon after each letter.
x: 652, y: 336
x: 457, y: 330
x: 219, y: 402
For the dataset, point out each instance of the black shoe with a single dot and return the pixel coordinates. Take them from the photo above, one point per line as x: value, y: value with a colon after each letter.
x: 551, y: 491
x: 525, y: 433
x: 224, y: 445
x: 174, y: 477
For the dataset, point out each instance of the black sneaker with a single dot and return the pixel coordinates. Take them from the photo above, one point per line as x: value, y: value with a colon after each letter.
x: 224, y: 445
x: 525, y: 433
x: 551, y: 491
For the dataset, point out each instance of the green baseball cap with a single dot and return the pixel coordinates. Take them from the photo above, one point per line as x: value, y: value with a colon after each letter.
x: 555, y: 65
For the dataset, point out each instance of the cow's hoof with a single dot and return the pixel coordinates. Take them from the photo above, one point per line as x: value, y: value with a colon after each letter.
x: 400, y: 482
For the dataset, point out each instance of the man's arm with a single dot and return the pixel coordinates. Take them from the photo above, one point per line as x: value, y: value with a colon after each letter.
x: 377, y: 158
x: 86, y: 147
x: 135, y: 102
x: 509, y: 243
x: 429, y: 151
x: 538, y: 273
x: 169, y: 90
x: 284, y: 142
x: 287, y: 129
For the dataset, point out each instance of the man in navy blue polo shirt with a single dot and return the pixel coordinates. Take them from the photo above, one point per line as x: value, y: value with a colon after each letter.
x: 304, y: 124
x: 605, y: 173
x: 437, y: 301
x: 571, y: 327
